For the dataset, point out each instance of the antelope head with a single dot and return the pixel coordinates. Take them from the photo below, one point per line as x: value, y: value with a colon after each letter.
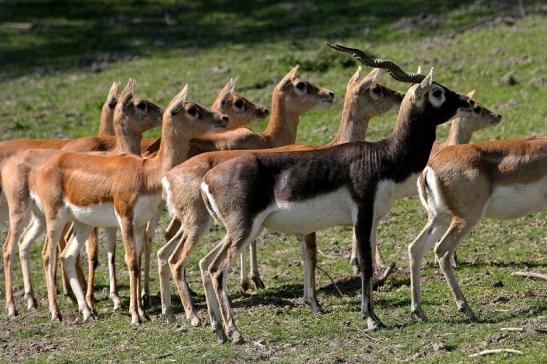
x: 134, y: 114
x: 239, y: 109
x: 300, y: 95
x: 479, y: 117
x: 368, y: 96
x: 191, y: 120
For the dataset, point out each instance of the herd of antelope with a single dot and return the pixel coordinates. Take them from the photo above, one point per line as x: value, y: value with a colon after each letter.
x: 207, y: 166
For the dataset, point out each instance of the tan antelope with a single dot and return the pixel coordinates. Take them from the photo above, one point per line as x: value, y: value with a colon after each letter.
x: 306, y: 191
x: 461, y: 184
x: 130, y: 121
x: 240, y: 112
x: 10, y: 147
x: 364, y: 99
x: 291, y: 98
x: 462, y: 128
x: 122, y: 191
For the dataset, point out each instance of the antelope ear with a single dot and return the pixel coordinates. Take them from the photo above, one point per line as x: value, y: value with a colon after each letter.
x: 286, y: 80
x: 112, y: 97
x: 471, y: 93
x: 127, y: 93
x: 178, y: 101
x: 425, y: 85
x: 354, y: 78
x: 369, y: 79
x: 226, y: 92
x: 419, y: 70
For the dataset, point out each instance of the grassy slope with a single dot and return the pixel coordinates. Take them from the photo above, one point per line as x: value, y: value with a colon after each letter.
x: 45, y: 67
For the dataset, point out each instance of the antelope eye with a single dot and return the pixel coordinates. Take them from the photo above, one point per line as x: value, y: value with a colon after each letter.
x: 437, y: 93
x: 301, y: 86
x: 238, y: 103
x: 377, y: 90
x: 477, y: 109
x: 192, y: 111
x: 141, y: 105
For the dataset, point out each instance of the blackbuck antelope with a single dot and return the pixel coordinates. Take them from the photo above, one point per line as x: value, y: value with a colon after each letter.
x: 114, y: 191
x: 307, y: 191
x: 10, y: 147
x: 130, y: 121
x: 364, y: 99
x: 462, y: 128
x: 291, y: 98
x: 240, y: 112
x: 461, y: 184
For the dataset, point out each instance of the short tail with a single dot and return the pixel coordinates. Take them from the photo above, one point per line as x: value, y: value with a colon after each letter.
x: 209, y: 202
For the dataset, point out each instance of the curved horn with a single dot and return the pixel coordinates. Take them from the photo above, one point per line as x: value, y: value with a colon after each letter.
x: 393, y: 69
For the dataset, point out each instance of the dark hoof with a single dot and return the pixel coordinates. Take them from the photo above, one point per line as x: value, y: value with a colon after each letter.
x: 419, y: 315
x: 258, y: 282
x: 237, y: 339
x: 245, y: 286
x: 56, y: 316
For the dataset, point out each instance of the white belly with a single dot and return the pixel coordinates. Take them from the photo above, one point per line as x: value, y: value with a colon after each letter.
x: 314, y: 214
x: 509, y: 202
x: 104, y: 214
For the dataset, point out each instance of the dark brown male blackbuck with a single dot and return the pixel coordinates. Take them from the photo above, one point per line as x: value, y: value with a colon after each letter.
x: 303, y: 192
x: 112, y: 191
x: 462, y: 128
x: 365, y: 98
x: 503, y: 179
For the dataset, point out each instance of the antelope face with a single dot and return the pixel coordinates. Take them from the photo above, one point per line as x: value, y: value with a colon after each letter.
x: 148, y: 114
x: 195, y: 120
x: 302, y: 95
x: 437, y: 103
x: 376, y: 99
x: 241, y: 111
x: 478, y: 117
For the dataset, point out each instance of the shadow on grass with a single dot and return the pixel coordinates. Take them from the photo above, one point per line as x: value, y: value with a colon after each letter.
x: 55, y: 35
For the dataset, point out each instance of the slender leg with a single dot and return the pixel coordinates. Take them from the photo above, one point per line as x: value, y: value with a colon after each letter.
x: 67, y: 235
x: 244, y: 270
x: 255, y: 275
x: 141, y: 240
x: 17, y: 225
x: 172, y: 229
x: 110, y: 235
x: 365, y: 247
x: 163, y: 269
x: 177, y: 263
x: 150, y: 233
x: 213, y: 308
x: 55, y: 224
x: 444, y: 250
x: 310, y: 263
x: 218, y: 270
x: 36, y: 227
x: 430, y: 234
x: 69, y: 257
x: 354, y: 261
x: 132, y: 261
x: 92, y: 247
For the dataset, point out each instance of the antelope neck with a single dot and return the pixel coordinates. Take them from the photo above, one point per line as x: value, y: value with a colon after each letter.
x: 458, y: 134
x: 282, y: 127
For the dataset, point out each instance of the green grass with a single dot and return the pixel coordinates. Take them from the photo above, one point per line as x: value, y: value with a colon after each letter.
x: 55, y: 75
